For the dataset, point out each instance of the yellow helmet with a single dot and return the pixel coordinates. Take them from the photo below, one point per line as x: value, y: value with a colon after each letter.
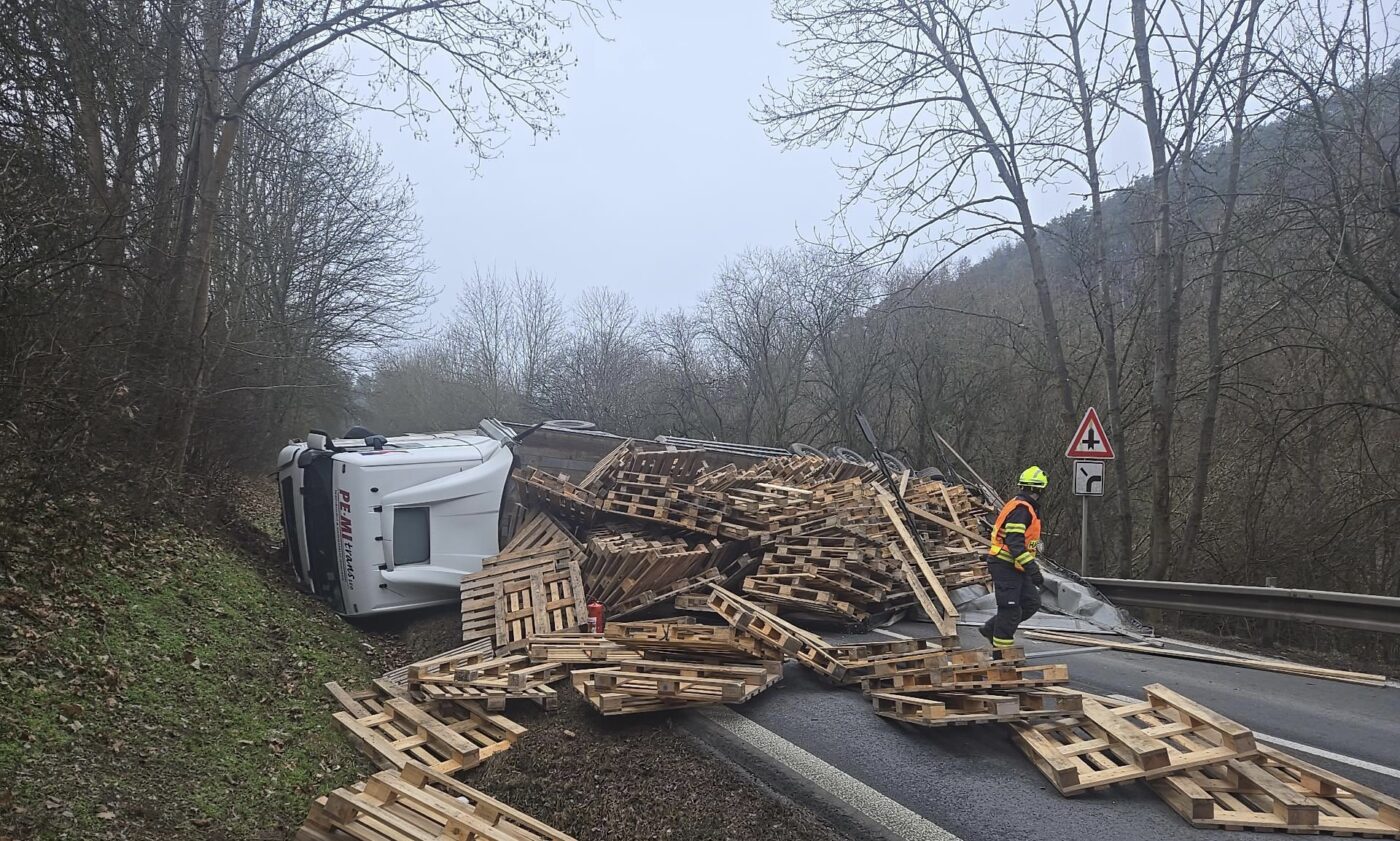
x: 1033, y: 477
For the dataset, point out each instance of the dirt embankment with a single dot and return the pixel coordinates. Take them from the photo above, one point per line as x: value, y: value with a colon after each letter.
x: 164, y: 681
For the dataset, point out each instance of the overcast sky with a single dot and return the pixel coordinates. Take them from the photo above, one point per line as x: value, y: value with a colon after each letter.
x: 656, y: 175
x: 657, y: 172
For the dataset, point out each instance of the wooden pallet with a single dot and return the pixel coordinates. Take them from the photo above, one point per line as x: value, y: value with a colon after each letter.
x: 1164, y: 735
x: 671, y: 591
x: 477, y: 649
x: 684, y: 637
x: 1277, y: 792
x: 545, y: 602
x: 620, y: 703
x: 528, y: 591
x: 777, y: 635
x: 417, y: 803
x: 728, y: 683
x: 862, y: 652
x: 492, y: 681
x: 557, y: 495
x: 943, y: 709
x: 620, y: 565
x: 959, y: 678
x: 493, y: 699
x: 446, y: 737
x: 575, y: 649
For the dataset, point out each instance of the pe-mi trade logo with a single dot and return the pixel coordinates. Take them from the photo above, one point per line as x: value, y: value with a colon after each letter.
x: 347, y: 544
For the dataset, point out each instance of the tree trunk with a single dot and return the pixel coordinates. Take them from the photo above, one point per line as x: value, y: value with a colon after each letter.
x: 1108, y: 318
x: 1162, y: 274
x: 206, y: 213
x: 1205, y: 450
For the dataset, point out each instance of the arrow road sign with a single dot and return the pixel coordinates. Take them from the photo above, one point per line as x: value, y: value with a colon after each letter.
x: 1090, y: 441
x: 1088, y: 478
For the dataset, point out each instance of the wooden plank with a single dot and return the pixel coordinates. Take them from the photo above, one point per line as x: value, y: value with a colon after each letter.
x: 1242, y: 662
x: 945, y: 616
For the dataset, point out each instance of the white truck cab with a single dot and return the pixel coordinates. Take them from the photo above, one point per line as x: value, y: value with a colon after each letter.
x: 376, y: 524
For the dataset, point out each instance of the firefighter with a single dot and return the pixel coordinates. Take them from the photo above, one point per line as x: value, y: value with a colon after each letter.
x: 1011, y: 560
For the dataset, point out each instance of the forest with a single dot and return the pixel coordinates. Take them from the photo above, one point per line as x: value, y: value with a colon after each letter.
x: 202, y: 256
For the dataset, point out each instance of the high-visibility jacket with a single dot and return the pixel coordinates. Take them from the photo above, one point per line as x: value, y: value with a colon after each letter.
x: 1016, y: 532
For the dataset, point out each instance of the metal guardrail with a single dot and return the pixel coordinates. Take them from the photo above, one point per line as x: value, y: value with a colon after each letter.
x: 1359, y: 611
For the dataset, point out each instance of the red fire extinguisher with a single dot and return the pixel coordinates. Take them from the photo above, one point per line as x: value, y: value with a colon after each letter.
x: 595, y: 617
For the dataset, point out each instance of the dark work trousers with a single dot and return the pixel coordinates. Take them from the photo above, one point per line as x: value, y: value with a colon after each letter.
x: 1018, y: 599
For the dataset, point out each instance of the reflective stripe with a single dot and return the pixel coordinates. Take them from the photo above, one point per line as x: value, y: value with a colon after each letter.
x: 1025, y: 557
x: 1002, y: 643
x: 1014, y: 528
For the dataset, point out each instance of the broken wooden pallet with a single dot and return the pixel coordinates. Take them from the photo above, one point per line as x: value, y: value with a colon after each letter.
x: 943, y: 709
x: 417, y: 803
x: 1166, y: 734
x: 1274, y: 791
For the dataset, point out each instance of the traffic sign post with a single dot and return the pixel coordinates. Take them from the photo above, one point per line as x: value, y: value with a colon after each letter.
x: 1089, y: 448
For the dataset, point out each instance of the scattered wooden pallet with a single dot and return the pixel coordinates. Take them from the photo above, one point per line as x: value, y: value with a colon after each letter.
x: 943, y: 709
x: 447, y: 737
x: 575, y: 649
x: 955, y: 678
x: 1277, y: 792
x: 478, y: 649
x: 728, y: 683
x: 418, y: 803
x: 685, y: 638
x: 1164, y: 735
x: 776, y: 634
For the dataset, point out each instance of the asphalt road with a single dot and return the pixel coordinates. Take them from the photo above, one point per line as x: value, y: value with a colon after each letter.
x: 975, y: 783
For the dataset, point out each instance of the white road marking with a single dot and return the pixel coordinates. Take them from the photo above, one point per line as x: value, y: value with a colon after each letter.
x: 1302, y: 748
x: 898, y: 819
x: 894, y: 634
x: 1327, y: 754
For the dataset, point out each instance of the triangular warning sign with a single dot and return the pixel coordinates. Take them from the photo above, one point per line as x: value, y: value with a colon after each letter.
x: 1090, y: 441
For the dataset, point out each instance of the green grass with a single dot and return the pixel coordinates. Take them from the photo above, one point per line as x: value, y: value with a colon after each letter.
x: 165, y: 687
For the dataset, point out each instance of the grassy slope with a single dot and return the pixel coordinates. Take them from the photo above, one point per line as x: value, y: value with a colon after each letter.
x: 154, y: 683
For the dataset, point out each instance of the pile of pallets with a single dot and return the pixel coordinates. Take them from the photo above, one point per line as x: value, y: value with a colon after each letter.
x: 801, y: 534
x: 681, y: 663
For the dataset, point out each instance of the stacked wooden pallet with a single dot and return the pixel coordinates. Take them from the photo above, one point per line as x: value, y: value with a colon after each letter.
x: 630, y: 571
x: 534, y: 585
x: 680, y: 663
x: 648, y: 685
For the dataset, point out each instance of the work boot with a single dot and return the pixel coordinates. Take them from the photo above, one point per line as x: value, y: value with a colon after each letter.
x: 986, y: 633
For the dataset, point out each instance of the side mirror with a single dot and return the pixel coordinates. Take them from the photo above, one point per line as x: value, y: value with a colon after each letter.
x: 317, y: 440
